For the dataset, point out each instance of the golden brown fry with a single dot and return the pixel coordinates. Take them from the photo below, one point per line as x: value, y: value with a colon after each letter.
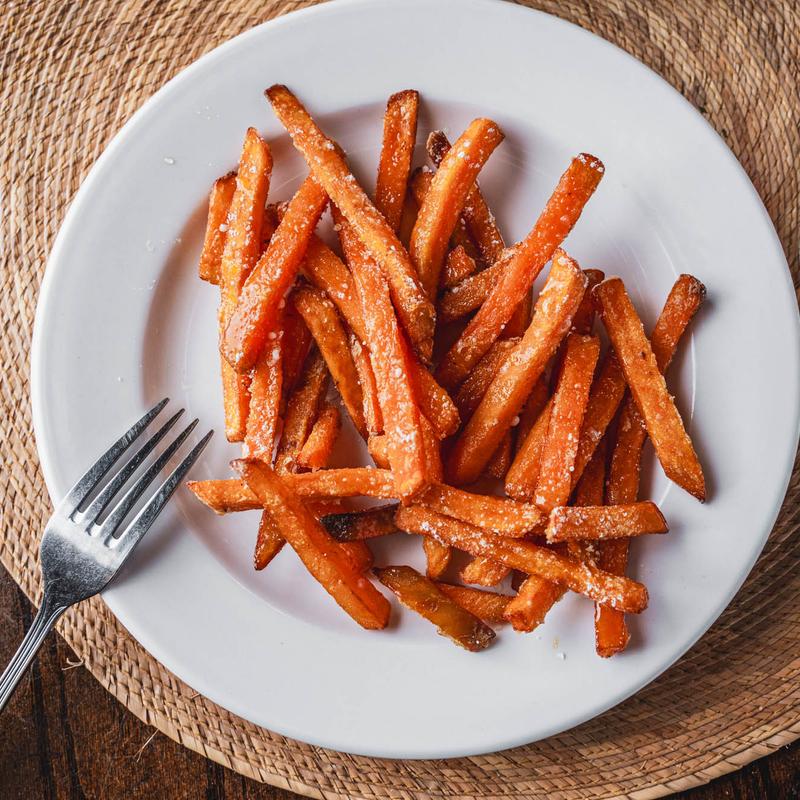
x: 262, y: 295
x: 664, y: 425
x: 302, y: 409
x: 561, y: 213
x: 319, y: 314
x: 318, y: 446
x: 535, y: 597
x: 488, y: 606
x: 468, y: 294
x: 501, y: 458
x: 397, y: 150
x: 445, y: 199
x: 322, y: 555
x: 605, y: 522
x: 359, y: 554
x: 266, y: 382
x: 356, y: 525
x: 437, y: 557
x: 554, y: 484
x: 479, y: 219
x: 583, y: 578
x: 219, y: 203
x: 330, y: 168
x: 458, y: 266
x: 421, y: 594
x: 369, y: 388
x: 269, y: 541
x: 241, y: 251
x: 483, y: 571
x: 474, y: 387
x: 515, y: 379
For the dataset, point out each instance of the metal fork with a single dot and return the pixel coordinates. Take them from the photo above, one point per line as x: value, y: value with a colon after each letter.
x: 79, y: 553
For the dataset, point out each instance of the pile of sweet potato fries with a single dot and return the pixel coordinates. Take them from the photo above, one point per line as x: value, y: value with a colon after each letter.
x: 523, y: 396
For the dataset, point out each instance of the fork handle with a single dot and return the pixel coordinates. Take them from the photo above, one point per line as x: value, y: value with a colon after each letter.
x: 46, y: 617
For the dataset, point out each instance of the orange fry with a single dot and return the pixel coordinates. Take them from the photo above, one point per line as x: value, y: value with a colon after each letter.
x: 397, y: 150
x: 457, y: 266
x: 359, y: 554
x: 664, y: 425
x: 583, y: 578
x: 319, y: 314
x: 295, y: 346
x: 266, y: 382
x: 523, y: 474
x: 474, y: 387
x: 322, y: 555
x: 488, y: 606
x: 434, y: 402
x: 515, y: 379
x: 535, y: 597
x: 373, y: 418
x: 378, y: 447
x: 219, y: 203
x: 240, y: 254
x: 445, y: 199
x: 262, y: 295
x: 501, y: 458
x: 330, y: 168
x: 590, y: 491
x: 483, y: 571
x: 468, y: 294
x: 421, y: 594
x: 561, y: 213
x: 604, y: 522
x: 536, y: 401
x: 554, y: 484
x: 318, y: 446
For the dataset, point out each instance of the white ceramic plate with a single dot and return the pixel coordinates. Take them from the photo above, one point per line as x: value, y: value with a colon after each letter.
x: 123, y: 321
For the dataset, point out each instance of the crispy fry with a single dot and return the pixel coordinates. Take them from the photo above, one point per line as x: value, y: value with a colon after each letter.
x: 421, y: 594
x: 389, y: 357
x: 488, y: 606
x: 520, y: 319
x: 664, y: 425
x: 535, y: 597
x: 523, y: 474
x: 269, y: 541
x: 241, y: 251
x: 536, y: 401
x: 590, y: 492
x: 605, y: 522
x: 437, y: 557
x: 356, y: 525
x: 318, y: 446
x: 407, y: 219
x: 399, y: 138
x: 479, y: 219
x: 446, y: 197
x: 483, y: 571
x: 378, y: 447
x: 501, y: 458
x: 614, y: 590
x: 295, y: 346
x: 359, y: 554
x: 434, y: 402
x: 301, y: 411
x: 458, y: 265
x: 516, y: 377
x: 219, y: 203
x: 322, y: 555
x: 468, y: 294
x: 320, y: 315
x: 266, y: 381
x: 554, y: 484
x: 559, y: 216
x: 261, y: 298
x: 330, y: 168
x: 474, y: 387
x: 373, y: 418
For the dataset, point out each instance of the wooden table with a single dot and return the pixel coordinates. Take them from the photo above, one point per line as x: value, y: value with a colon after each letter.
x: 64, y: 737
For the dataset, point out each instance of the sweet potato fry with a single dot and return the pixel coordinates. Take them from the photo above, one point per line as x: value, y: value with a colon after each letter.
x: 664, y: 425
x: 536, y: 401
x: 535, y: 597
x: 269, y: 541
x: 318, y: 446
x: 474, y: 387
x: 322, y: 555
x: 378, y: 447
x: 219, y: 203
x: 389, y: 357
x: 554, y: 484
x: 501, y: 459
x: 421, y: 594
x: 407, y: 219
x: 468, y: 294
x: 605, y: 522
x: 488, y: 606
x: 330, y: 168
x: 483, y: 571
x: 583, y: 578
x: 302, y: 409
x: 397, y: 150
x: 437, y: 557
x: 515, y: 379
x: 523, y: 474
x: 590, y: 491
x: 261, y: 298
x: 266, y: 382
x: 373, y: 419
x: 559, y: 216
x: 240, y: 254
x: 433, y: 400
x: 446, y: 197
x: 520, y: 319
x: 360, y: 555
x: 479, y: 219
x: 457, y: 266
x: 357, y: 525
x: 295, y: 346
x: 319, y: 314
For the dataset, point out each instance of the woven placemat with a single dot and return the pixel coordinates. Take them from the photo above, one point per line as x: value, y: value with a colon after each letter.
x: 73, y: 73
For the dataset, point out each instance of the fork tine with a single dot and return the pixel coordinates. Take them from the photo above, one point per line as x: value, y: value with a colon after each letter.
x: 118, y: 481
x: 78, y: 493
x: 114, y: 519
x: 145, y: 518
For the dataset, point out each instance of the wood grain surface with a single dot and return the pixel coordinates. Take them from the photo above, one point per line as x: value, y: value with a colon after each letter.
x: 64, y: 737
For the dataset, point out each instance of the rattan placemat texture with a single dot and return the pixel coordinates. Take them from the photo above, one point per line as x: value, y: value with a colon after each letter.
x: 73, y: 73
